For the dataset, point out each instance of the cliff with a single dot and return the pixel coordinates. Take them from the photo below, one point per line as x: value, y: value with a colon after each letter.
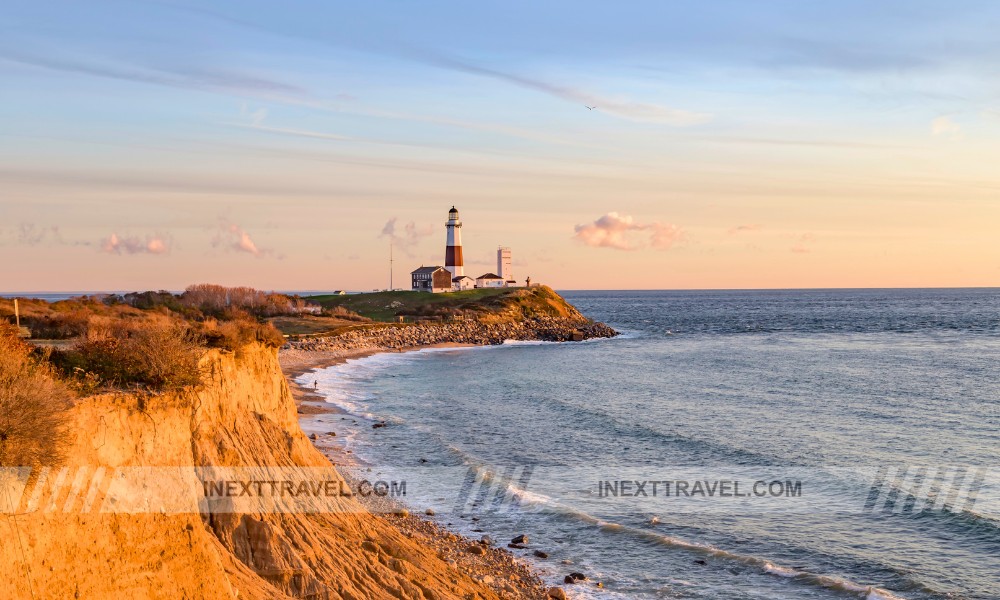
x: 60, y: 545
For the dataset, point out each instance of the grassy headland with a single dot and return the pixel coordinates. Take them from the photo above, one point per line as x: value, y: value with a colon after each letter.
x: 500, y: 304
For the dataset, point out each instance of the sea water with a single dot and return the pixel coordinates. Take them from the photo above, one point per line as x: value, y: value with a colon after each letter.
x: 877, y: 411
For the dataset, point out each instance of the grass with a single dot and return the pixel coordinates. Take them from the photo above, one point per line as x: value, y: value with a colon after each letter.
x: 385, y: 306
x: 498, y: 304
x: 311, y: 325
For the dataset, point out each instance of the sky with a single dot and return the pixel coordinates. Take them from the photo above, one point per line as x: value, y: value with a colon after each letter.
x: 611, y: 145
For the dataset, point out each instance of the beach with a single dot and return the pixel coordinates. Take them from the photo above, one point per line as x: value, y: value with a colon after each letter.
x: 492, y: 566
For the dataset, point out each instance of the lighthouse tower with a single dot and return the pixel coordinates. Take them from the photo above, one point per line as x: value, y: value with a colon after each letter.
x: 453, y: 252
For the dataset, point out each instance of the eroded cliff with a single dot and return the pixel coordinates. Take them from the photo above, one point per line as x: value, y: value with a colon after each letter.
x: 63, y: 540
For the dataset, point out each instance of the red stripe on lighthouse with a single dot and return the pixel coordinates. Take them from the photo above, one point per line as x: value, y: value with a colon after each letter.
x: 453, y: 256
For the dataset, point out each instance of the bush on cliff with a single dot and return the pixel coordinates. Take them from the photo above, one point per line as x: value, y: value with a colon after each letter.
x: 33, y: 404
x: 155, y: 354
x: 238, y: 331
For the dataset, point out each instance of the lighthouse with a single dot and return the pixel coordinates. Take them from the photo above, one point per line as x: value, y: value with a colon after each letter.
x: 453, y: 252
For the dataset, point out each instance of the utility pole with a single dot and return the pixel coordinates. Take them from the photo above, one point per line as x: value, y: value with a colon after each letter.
x: 390, y: 265
x: 17, y: 315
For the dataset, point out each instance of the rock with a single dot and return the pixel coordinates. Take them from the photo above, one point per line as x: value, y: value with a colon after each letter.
x: 557, y: 593
x: 700, y: 562
x: 521, y: 539
x: 370, y: 546
x: 378, y: 425
x: 574, y: 577
x: 517, y: 546
x: 599, y: 584
x: 568, y: 579
x: 476, y: 549
x: 540, y: 554
x: 486, y: 540
x: 312, y: 436
x: 403, y: 513
x: 332, y: 433
x: 429, y: 512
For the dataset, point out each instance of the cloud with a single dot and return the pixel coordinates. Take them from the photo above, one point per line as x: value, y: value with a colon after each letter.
x: 233, y: 237
x: 945, y: 126
x: 151, y: 244
x: 406, y: 237
x: 182, y: 76
x: 30, y: 235
x: 613, y: 231
x: 744, y: 228
x: 617, y: 106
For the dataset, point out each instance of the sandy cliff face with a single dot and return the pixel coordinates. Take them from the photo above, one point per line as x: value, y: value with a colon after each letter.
x: 63, y: 546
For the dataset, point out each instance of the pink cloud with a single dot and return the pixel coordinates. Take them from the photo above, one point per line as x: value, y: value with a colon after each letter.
x: 235, y: 238
x: 622, y: 232
x: 151, y: 244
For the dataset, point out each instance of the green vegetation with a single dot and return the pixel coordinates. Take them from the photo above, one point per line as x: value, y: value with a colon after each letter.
x: 482, y: 304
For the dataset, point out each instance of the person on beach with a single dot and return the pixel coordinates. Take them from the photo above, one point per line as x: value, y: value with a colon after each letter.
x: 315, y: 384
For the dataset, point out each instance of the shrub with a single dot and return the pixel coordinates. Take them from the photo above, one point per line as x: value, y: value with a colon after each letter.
x: 33, y: 405
x: 157, y: 354
x: 58, y: 326
x: 239, y: 331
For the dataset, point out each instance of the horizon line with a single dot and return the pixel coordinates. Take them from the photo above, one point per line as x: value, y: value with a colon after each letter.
x: 72, y: 293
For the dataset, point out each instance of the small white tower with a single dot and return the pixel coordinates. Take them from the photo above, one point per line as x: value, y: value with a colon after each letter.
x: 503, y: 265
x: 453, y: 251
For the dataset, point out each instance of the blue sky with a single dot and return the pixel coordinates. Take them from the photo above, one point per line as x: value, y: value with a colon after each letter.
x: 736, y: 144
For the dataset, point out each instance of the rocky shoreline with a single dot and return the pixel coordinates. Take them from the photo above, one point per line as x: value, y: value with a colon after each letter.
x: 494, y: 567
x: 392, y: 337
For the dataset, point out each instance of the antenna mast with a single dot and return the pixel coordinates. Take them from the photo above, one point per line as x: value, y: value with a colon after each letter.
x: 390, y: 265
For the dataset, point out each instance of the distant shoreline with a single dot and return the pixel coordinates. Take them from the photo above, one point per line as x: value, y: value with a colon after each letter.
x: 55, y: 296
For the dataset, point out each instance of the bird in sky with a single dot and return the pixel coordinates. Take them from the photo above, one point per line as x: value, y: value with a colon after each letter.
x: 590, y: 107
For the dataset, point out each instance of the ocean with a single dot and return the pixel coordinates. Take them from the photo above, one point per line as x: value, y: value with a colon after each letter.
x: 876, y: 413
